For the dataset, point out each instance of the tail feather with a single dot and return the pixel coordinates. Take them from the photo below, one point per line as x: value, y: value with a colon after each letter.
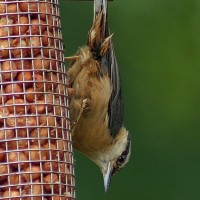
x: 101, y: 6
x: 99, y: 36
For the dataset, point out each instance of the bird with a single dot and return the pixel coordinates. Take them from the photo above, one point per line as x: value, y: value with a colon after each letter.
x: 96, y: 108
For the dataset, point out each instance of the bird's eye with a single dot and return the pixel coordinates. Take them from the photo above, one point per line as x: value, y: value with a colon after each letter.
x: 121, y: 159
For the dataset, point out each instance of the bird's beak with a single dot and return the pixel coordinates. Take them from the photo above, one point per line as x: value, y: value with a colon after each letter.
x: 107, y: 175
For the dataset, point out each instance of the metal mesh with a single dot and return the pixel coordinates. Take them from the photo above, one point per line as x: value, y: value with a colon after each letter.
x: 36, y: 159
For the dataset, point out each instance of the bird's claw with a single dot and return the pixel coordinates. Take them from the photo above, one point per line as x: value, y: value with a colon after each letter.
x: 86, y: 104
x: 71, y: 58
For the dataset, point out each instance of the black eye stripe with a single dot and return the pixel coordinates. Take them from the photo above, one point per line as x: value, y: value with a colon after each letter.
x: 122, y: 158
x: 124, y: 154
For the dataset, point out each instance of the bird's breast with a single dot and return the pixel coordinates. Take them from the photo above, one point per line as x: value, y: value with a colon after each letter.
x: 90, y: 134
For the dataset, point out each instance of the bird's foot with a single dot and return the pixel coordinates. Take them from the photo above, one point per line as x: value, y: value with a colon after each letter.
x: 86, y: 105
x: 71, y: 58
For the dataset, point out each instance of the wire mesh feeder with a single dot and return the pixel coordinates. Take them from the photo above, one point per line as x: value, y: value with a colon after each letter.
x: 36, y: 159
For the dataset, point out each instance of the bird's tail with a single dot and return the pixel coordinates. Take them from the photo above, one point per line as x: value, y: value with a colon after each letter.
x: 101, y: 6
x: 99, y: 37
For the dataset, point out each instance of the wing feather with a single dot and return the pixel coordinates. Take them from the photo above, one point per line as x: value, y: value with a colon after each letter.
x: 109, y: 64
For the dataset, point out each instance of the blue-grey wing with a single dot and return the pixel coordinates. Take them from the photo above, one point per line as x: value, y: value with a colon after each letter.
x: 110, y: 66
x: 115, y: 107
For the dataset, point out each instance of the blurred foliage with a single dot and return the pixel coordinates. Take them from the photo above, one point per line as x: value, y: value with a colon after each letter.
x: 157, y: 44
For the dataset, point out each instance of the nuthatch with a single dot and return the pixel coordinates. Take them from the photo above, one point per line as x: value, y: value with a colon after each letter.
x: 97, y: 106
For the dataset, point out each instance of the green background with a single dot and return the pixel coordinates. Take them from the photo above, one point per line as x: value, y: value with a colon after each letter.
x: 157, y: 43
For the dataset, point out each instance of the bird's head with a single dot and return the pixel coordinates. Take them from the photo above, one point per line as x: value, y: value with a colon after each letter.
x: 115, y: 157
